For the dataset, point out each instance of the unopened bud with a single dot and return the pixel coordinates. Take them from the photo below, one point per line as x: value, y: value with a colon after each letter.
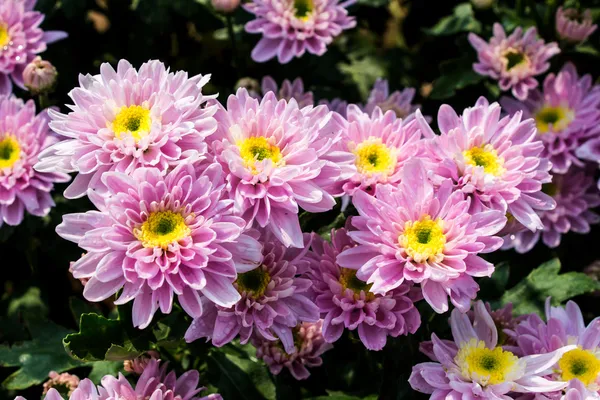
x: 225, y: 6
x: 39, y: 76
x: 482, y: 4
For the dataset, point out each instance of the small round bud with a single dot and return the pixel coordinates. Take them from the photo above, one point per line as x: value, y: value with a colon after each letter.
x: 39, y: 76
x: 482, y: 4
x: 225, y: 6
x: 251, y: 85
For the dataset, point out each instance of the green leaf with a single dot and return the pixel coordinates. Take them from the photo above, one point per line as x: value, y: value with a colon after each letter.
x: 455, y: 74
x: 29, y: 305
x: 363, y: 71
x: 588, y: 50
x: 529, y: 295
x: 37, y: 357
x: 95, y: 337
x: 374, y: 3
x: 462, y: 20
x: 102, y: 368
x: 495, y: 286
x: 79, y: 307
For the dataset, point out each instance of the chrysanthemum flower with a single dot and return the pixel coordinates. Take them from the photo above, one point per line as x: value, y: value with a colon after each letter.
x: 292, y: 27
x: 590, y: 151
x: 154, y: 383
x: 346, y: 302
x: 373, y: 149
x: 64, y: 383
x: 273, y: 300
x: 497, y: 162
x: 20, y: 40
x: 424, y: 235
x: 514, y: 60
x: 336, y: 105
x: 310, y: 345
x: 23, y: 135
x: 127, y: 119
x: 289, y: 90
x: 567, y: 114
x: 574, y: 26
x: 474, y: 366
x: 156, y: 237
x: 576, y: 195
x: 400, y: 102
x: 565, y: 325
x: 273, y: 155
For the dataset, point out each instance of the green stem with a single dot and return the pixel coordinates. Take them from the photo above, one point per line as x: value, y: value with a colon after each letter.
x: 44, y: 101
x: 231, y: 34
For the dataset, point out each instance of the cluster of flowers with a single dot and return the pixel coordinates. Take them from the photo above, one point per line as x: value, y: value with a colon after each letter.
x: 496, y: 356
x: 154, y: 383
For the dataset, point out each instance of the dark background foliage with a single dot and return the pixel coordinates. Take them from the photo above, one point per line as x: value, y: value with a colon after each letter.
x: 411, y: 43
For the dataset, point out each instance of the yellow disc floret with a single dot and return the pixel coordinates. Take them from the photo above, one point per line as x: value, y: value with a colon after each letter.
x: 255, y: 149
x: 10, y: 151
x: 424, y: 240
x: 486, y: 157
x: 4, y: 37
x: 515, y: 59
x: 253, y: 282
x: 579, y: 364
x: 303, y: 8
x: 162, y: 228
x: 348, y: 280
x: 486, y: 366
x: 134, y: 120
x: 372, y: 156
x: 559, y: 117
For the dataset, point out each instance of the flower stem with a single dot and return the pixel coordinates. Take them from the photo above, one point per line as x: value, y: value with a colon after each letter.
x: 236, y: 60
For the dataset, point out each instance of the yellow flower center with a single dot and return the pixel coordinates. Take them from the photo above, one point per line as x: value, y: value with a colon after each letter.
x: 515, y: 59
x: 424, y: 240
x: 4, y: 37
x: 253, y: 282
x: 348, y: 280
x: 485, y: 366
x: 579, y: 364
x: 303, y: 8
x: 372, y: 156
x: 134, y: 120
x: 255, y: 149
x: 10, y: 152
x: 162, y: 228
x: 555, y: 118
x: 486, y: 157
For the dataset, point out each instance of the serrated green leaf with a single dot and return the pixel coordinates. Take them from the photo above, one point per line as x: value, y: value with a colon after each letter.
x: 121, y: 353
x: 95, y: 337
x: 363, y: 71
x: 242, y: 378
x: 462, y: 20
x: 102, y: 368
x: 529, y: 295
x: 37, y: 357
x: 29, y: 305
x: 455, y: 74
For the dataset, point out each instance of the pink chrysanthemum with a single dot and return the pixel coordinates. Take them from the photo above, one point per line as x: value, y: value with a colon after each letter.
x: 273, y: 300
x: 373, y: 149
x: 127, y: 119
x: 399, y: 102
x: 573, y: 26
x: 310, y: 345
x: 292, y: 27
x: 576, y: 195
x: 474, y: 366
x: 20, y: 40
x: 424, y: 235
x: 273, y: 155
x: 23, y: 135
x: 154, y: 383
x: 564, y: 326
x: 64, y: 383
x: 336, y: 105
x: 156, y: 237
x: 496, y: 161
x: 567, y: 114
x: 289, y: 90
x: 346, y: 302
x: 514, y: 60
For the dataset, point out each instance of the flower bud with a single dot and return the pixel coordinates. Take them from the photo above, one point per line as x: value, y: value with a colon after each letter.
x: 482, y: 4
x: 138, y: 365
x: 225, y: 6
x: 39, y: 76
x: 64, y: 383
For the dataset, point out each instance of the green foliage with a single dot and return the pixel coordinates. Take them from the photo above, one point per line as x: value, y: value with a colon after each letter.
x: 462, y: 20
x: 455, y: 75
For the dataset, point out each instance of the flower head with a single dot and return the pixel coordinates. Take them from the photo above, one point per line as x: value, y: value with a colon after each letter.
x: 64, y: 383
x: 158, y: 236
x: 289, y: 90
x: 292, y: 27
x: 576, y: 196
x: 474, y: 366
x: 422, y: 234
x: 495, y: 161
x: 514, y: 60
x: 128, y: 119
x: 346, y: 302
x: 139, y: 364
x: 225, y: 6
x: 23, y: 135
x: 39, y: 76
x: 274, y: 156
x: 20, y: 40
x: 273, y: 301
x: 567, y: 114
x: 398, y: 102
x: 309, y: 343
x: 574, y: 26
x: 564, y: 326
